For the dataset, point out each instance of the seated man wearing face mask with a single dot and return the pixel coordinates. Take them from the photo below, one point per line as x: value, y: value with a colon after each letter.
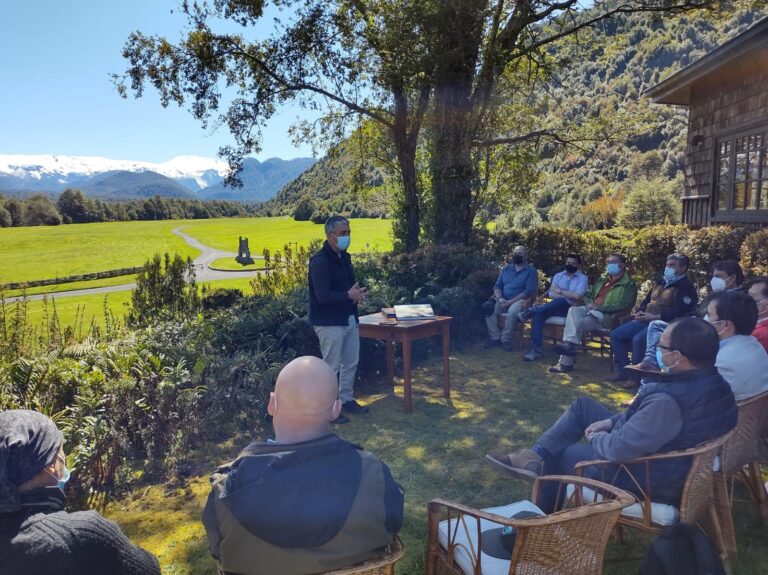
x: 614, y: 292
x: 690, y: 403
x: 726, y: 276
x: 741, y: 361
x: 673, y: 296
x: 517, y: 282
x: 36, y: 535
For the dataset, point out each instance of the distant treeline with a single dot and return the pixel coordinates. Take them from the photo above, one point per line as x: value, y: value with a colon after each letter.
x: 74, y: 207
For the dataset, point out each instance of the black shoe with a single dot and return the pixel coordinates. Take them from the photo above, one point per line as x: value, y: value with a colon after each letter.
x: 341, y: 419
x: 560, y: 368
x: 489, y: 343
x: 566, y: 348
x: 619, y: 377
x: 507, y: 346
x: 352, y: 406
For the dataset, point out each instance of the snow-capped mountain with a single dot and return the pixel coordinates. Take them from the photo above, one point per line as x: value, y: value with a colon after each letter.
x: 202, y: 177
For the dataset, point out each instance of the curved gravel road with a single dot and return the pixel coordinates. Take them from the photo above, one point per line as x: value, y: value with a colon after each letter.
x: 207, y: 256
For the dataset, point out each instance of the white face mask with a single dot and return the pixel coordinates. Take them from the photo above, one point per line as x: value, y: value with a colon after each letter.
x: 717, y: 284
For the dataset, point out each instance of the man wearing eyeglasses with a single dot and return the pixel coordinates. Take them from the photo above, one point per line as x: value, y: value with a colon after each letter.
x: 690, y: 403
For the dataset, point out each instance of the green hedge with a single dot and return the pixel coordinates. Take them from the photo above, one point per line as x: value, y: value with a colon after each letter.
x: 645, y: 249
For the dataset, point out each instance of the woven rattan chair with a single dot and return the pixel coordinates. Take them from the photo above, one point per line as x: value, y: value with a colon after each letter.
x: 739, y: 460
x: 381, y: 565
x: 569, y: 542
x: 696, y: 503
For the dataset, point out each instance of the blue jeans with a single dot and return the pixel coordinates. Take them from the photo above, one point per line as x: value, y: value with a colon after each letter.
x: 628, y: 337
x: 563, y: 441
x: 655, y: 329
x: 540, y: 313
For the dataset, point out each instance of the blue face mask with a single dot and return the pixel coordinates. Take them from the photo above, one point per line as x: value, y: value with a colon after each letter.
x: 613, y: 269
x: 669, y: 274
x: 61, y: 482
x: 660, y: 360
x: 342, y: 242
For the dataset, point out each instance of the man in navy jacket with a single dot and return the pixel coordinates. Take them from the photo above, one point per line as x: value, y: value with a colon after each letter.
x: 333, y: 297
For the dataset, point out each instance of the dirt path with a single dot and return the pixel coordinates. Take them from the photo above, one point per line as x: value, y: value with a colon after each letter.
x: 207, y: 256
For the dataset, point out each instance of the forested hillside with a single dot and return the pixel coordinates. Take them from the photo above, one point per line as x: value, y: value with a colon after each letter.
x: 597, y: 77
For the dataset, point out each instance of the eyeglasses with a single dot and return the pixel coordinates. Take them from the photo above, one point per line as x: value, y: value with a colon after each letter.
x: 665, y: 347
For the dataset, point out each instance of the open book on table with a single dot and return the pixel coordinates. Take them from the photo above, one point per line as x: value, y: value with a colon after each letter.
x: 414, y: 311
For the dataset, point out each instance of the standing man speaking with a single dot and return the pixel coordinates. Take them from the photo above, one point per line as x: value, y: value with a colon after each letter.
x: 333, y: 298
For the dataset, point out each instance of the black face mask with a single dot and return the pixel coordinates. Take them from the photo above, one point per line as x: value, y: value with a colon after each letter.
x: 571, y: 269
x: 517, y: 259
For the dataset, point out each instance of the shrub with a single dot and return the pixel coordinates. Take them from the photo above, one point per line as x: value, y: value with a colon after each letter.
x: 218, y: 298
x: 707, y: 245
x: 165, y: 289
x: 754, y: 253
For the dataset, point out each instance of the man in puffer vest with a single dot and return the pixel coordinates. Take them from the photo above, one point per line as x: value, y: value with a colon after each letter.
x: 307, y: 501
x: 690, y: 404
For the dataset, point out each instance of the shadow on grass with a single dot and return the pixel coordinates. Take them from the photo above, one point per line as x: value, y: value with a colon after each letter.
x: 497, y: 402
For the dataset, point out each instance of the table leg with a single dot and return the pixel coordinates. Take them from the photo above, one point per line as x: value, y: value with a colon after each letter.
x: 446, y: 362
x: 407, y: 373
x: 390, y: 363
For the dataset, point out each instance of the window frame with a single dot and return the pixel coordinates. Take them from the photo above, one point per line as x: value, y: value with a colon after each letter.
x: 732, y: 137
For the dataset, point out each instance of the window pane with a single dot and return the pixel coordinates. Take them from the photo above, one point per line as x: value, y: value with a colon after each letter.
x: 741, y: 166
x: 764, y: 196
x: 739, y: 196
x: 754, y: 164
x: 723, y: 196
x: 725, y: 166
x: 751, y: 196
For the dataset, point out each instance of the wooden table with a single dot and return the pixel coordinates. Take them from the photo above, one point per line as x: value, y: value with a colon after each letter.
x: 374, y: 326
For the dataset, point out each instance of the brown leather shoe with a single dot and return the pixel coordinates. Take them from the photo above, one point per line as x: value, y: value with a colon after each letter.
x: 525, y: 464
x: 643, y: 367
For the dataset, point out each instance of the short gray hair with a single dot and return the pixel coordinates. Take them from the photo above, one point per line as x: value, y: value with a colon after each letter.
x: 333, y: 221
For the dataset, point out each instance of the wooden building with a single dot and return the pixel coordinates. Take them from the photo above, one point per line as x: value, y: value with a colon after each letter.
x: 726, y: 92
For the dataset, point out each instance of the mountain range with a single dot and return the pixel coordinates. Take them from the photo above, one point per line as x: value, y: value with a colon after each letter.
x: 182, y: 177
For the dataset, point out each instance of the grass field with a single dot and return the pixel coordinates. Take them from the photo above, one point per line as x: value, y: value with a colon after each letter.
x: 52, y: 289
x: 274, y: 233
x: 79, y: 312
x: 497, y: 403
x: 42, y: 252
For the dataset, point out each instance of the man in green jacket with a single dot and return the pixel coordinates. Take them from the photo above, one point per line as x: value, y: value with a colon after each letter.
x: 613, y: 293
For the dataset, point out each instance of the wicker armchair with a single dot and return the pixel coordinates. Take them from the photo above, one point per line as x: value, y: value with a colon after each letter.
x: 698, y: 497
x: 382, y: 565
x: 569, y: 542
x: 738, y: 460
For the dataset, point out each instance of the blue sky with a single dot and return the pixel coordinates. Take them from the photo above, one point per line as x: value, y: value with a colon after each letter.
x: 56, y: 96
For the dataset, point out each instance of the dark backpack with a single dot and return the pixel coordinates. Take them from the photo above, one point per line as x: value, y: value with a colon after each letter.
x: 682, y: 549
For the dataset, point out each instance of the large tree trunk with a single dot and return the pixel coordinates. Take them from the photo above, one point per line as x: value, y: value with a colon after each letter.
x: 451, y: 166
x: 405, y: 149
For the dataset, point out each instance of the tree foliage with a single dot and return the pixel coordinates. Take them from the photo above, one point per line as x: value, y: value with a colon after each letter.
x: 454, y: 68
x: 165, y: 289
x: 650, y: 202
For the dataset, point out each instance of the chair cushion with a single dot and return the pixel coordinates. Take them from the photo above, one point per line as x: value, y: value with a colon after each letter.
x: 554, y: 320
x: 661, y: 513
x: 465, y: 541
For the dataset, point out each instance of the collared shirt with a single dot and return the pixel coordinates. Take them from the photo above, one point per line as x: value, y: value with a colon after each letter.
x: 577, y: 282
x: 609, y: 283
x: 512, y: 282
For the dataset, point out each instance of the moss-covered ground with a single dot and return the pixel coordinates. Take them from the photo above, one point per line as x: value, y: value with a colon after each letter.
x: 497, y: 402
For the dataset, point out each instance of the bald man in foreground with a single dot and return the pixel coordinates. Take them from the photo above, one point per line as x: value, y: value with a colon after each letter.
x: 307, y: 501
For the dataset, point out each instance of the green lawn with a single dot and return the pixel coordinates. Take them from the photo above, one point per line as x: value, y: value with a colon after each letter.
x: 42, y: 252
x: 497, y: 402
x: 275, y: 233
x: 79, y: 312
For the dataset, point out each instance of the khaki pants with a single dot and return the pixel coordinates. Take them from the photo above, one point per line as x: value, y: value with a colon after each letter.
x: 340, y: 346
x: 510, y: 323
x: 577, y: 322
